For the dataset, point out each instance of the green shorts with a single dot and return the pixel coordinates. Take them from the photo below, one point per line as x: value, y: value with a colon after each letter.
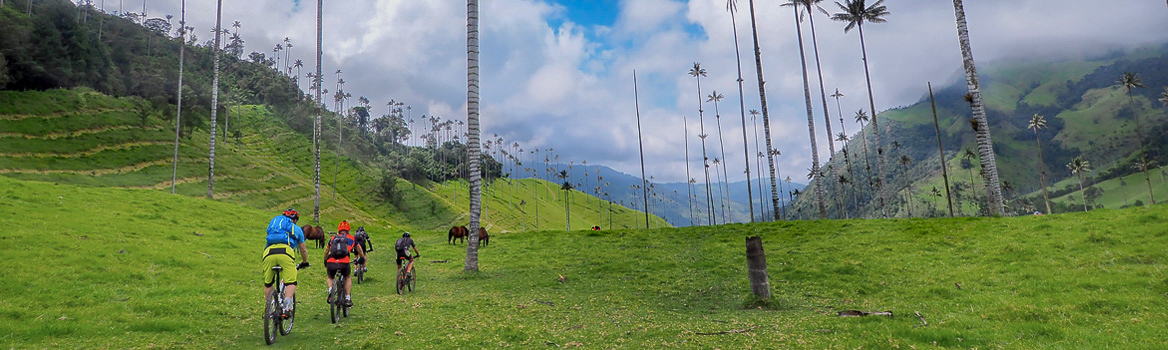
x: 282, y: 255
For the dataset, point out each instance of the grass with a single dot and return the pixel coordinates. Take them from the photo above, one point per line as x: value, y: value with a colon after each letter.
x: 146, y: 268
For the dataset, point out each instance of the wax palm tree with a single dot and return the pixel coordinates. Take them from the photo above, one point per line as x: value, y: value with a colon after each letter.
x: 819, y: 190
x: 731, y: 6
x: 287, y: 55
x: 721, y: 206
x: 843, y: 139
x: 1078, y: 166
x: 862, y: 117
x: 758, y: 161
x: 1038, y: 122
x: 688, y: 187
x: 1131, y: 81
x: 967, y: 156
x: 717, y: 97
x: 985, y: 147
x: 855, y: 14
x: 472, y: 122
x: 766, y: 121
x: 566, y: 186
x: 810, y: 7
x: 1144, y: 164
x: 182, y: 30
x: 214, y: 100
x: 296, y: 79
x: 698, y: 72
x: 317, y: 80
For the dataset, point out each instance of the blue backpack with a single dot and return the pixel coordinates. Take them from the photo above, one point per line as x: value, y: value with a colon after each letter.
x: 280, y: 231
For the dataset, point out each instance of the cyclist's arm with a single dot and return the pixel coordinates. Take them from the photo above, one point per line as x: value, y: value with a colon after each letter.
x: 361, y: 251
x: 303, y: 251
x: 416, y: 250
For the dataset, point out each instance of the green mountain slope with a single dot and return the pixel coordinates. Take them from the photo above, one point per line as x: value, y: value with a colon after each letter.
x: 84, y: 137
x: 1087, y: 114
x: 149, y: 269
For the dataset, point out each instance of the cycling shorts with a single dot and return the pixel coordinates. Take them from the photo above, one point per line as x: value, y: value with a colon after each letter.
x: 334, y: 268
x: 281, y: 255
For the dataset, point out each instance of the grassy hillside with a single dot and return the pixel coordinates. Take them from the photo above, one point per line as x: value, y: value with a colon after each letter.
x: 84, y: 137
x: 149, y: 269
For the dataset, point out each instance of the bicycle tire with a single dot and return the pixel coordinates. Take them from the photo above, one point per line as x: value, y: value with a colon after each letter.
x: 286, y: 325
x: 341, y: 302
x: 334, y: 314
x: 360, y: 275
x: 270, y: 306
x: 413, y: 277
x: 401, y: 282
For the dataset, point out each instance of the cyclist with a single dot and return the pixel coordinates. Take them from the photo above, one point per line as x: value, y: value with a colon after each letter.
x: 403, y: 246
x: 362, y: 239
x: 283, y: 235
x: 341, y: 265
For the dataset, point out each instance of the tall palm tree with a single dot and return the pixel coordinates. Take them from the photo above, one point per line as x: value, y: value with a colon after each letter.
x: 214, y: 99
x: 843, y: 139
x: 731, y: 6
x: 819, y: 189
x: 182, y: 31
x: 766, y: 121
x: 985, y: 147
x: 698, y: 72
x: 299, y: 63
x: 688, y: 187
x: 1078, y: 166
x: 862, y: 117
x: 717, y: 97
x: 1143, y: 164
x: 855, y: 14
x: 967, y: 156
x: 811, y: 6
x: 566, y: 186
x: 472, y: 130
x: 318, y: 79
x: 1038, y: 122
x: 287, y: 56
x: 1131, y: 81
x: 758, y: 161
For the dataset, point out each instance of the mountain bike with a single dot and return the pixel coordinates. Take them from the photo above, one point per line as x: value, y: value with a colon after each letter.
x: 273, y: 311
x: 359, y: 274
x: 407, y: 276
x: 336, y: 299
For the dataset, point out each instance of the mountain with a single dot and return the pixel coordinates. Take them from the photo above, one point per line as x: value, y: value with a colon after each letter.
x: 1088, y: 114
x: 667, y: 200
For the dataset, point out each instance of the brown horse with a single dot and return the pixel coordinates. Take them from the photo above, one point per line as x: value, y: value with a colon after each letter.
x: 457, y: 233
x: 314, y: 233
x: 484, y: 238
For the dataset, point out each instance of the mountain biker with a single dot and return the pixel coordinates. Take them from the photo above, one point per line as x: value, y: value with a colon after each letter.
x: 362, y: 238
x: 403, y: 246
x: 341, y: 265
x: 283, y: 235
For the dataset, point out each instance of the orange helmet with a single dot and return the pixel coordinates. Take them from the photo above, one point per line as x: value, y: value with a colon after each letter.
x: 344, y: 226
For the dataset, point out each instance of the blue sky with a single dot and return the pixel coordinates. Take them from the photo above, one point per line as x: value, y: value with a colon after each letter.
x: 558, y: 74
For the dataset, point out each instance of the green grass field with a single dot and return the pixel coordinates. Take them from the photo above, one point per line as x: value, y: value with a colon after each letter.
x: 125, y: 268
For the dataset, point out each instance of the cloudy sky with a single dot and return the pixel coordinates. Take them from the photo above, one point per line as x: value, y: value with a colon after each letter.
x: 559, y: 73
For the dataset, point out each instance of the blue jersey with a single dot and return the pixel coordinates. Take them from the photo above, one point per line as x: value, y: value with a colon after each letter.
x: 282, y: 230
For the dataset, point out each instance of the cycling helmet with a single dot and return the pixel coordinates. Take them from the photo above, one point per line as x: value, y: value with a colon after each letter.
x: 361, y: 228
x: 407, y: 234
x: 292, y: 214
x: 344, y: 226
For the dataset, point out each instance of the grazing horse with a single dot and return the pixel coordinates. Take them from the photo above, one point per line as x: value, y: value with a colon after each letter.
x: 457, y: 233
x: 314, y: 233
x: 484, y: 238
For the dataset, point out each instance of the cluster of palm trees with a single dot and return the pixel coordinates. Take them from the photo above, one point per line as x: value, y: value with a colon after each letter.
x: 854, y: 14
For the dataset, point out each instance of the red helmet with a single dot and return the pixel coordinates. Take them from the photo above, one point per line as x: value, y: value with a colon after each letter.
x: 344, y: 226
x: 292, y: 214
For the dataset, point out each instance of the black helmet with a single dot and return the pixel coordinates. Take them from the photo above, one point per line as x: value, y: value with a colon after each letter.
x: 360, y: 228
x: 407, y: 234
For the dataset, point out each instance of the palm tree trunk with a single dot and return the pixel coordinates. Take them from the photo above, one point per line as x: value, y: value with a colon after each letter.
x: 822, y: 91
x: 941, y: 155
x: 727, y: 211
x: 819, y: 188
x: 875, y: 125
x: 742, y: 112
x: 688, y: 186
x: 472, y: 128
x: 712, y: 216
x: 985, y: 148
x: 641, y: 147
x: 214, y: 102
x: 178, y: 116
x: 758, y: 168
x: 1042, y: 173
x: 316, y: 132
x: 1082, y: 193
x: 766, y: 123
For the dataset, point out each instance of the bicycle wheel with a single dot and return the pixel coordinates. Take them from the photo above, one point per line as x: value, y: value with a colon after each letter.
x: 413, y: 278
x: 334, y: 297
x: 360, y: 274
x: 286, y: 325
x: 344, y: 309
x: 270, y: 307
x: 401, y: 280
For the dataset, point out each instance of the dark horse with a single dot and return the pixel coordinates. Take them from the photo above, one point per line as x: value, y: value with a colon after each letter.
x: 314, y: 233
x: 457, y: 233
x: 484, y: 238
